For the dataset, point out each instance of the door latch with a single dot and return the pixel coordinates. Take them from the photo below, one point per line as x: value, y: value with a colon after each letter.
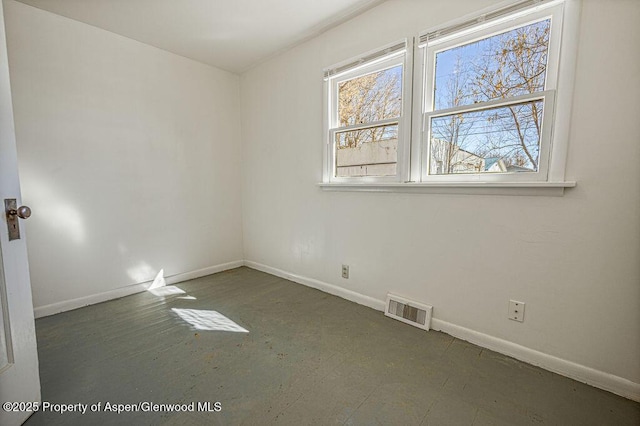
x: 14, y: 212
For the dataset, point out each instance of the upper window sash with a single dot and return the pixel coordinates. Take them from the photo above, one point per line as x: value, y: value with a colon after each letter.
x: 551, y: 10
x: 381, y: 64
x: 378, y: 61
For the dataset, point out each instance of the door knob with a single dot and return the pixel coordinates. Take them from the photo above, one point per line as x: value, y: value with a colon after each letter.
x: 23, y: 212
x: 13, y: 212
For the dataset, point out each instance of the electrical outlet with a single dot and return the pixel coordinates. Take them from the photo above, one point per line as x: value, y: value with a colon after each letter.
x: 516, y: 310
x: 345, y: 271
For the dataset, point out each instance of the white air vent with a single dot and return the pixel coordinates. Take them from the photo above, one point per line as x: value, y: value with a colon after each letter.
x: 414, y: 313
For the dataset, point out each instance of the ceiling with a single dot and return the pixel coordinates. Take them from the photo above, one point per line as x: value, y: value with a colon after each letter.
x: 234, y: 35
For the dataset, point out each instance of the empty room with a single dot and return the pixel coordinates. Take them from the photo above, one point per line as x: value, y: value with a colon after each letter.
x: 359, y: 212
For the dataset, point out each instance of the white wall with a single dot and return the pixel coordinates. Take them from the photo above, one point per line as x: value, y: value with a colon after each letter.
x: 572, y: 259
x: 129, y: 157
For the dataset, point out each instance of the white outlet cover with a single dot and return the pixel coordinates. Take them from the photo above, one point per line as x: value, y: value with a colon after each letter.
x: 516, y: 310
x: 345, y: 271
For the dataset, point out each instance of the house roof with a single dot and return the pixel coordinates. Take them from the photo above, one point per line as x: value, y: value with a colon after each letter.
x: 489, y: 162
x: 514, y: 168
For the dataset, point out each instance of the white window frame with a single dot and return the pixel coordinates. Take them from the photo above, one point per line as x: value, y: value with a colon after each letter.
x: 353, y: 68
x: 427, y: 52
x: 413, y: 138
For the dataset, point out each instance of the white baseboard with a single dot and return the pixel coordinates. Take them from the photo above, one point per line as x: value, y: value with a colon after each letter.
x: 178, y: 278
x: 320, y: 285
x: 581, y: 373
x: 68, y: 305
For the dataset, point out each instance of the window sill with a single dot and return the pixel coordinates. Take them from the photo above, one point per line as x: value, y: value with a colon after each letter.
x: 472, y: 188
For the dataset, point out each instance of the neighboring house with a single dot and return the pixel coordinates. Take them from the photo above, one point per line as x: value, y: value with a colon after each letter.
x: 447, y: 158
x: 516, y: 169
x: 461, y: 161
x: 494, y: 164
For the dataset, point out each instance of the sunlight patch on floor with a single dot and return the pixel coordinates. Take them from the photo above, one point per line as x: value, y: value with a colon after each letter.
x: 208, y: 320
x: 160, y: 288
x: 166, y: 291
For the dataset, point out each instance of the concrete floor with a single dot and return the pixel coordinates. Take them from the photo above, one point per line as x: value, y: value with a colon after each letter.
x: 308, y: 358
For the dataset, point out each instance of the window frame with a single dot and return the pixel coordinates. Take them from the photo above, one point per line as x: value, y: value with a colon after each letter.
x: 354, y: 68
x: 413, y: 135
x: 426, y: 53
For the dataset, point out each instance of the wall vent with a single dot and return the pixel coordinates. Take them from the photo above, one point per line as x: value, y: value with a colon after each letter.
x: 410, y: 312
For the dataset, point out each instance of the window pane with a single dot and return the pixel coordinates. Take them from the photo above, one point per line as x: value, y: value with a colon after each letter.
x: 495, y: 140
x: 504, y: 65
x: 371, y: 97
x: 367, y: 152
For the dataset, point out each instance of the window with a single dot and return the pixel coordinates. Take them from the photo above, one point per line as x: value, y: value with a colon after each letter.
x: 486, y: 99
x: 489, y: 99
x: 366, y: 135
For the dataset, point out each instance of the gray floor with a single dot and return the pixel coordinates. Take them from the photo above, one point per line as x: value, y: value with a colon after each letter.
x: 308, y: 358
